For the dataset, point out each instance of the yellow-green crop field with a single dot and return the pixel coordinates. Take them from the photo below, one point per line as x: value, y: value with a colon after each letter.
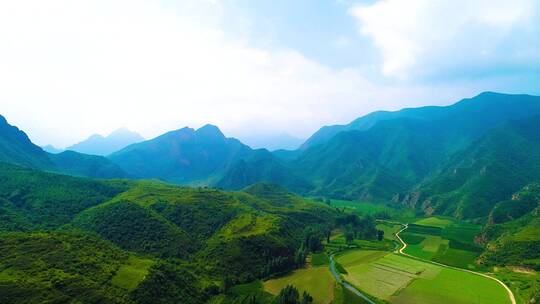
x: 317, y: 281
x: 400, y: 279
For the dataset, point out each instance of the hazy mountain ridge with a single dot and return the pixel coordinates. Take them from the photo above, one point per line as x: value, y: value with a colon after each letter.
x: 203, y: 157
x: 392, y: 156
x: 273, y: 142
x: 16, y: 148
x: 51, y: 149
x: 182, y: 156
x: 467, y: 106
x: 100, y: 145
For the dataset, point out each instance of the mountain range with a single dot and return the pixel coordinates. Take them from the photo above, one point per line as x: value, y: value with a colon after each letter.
x: 16, y: 148
x: 457, y: 160
x: 477, y: 160
x: 281, y: 141
x: 100, y: 145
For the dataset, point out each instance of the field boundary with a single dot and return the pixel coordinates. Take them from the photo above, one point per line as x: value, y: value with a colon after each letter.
x: 400, y: 251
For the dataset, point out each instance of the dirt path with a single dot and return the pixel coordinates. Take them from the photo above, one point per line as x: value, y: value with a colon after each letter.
x: 400, y: 251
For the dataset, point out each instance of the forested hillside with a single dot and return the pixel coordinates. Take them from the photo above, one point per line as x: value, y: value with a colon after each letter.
x: 488, y: 171
x: 159, y: 238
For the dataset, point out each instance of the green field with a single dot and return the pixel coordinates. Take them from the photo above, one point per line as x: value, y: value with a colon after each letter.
x: 344, y: 296
x: 317, y: 281
x: 443, y: 240
x: 319, y: 259
x: 389, y: 230
x: 427, y: 248
x: 129, y: 276
x: 435, y: 222
x: 365, y: 208
x: 399, y: 279
x: 338, y: 243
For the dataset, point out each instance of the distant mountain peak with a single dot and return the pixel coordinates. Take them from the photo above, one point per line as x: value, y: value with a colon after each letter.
x: 51, y: 149
x: 97, y: 144
x: 123, y: 131
x: 210, y: 130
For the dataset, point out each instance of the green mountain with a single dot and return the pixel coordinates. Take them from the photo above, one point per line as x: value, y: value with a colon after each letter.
x: 204, y: 157
x: 34, y: 200
x: 488, y: 108
x: 392, y: 155
x: 181, y: 156
x: 105, y: 145
x: 261, y: 166
x: 69, y: 239
x: 80, y: 164
x: 16, y: 148
x: 375, y: 164
x: 513, y: 230
x: 488, y: 171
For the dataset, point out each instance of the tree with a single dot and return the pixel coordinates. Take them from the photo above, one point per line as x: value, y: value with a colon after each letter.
x: 306, y: 298
x: 380, y: 235
x: 328, y: 234
x: 300, y: 256
x: 349, y: 236
x: 288, y: 295
x: 228, y: 282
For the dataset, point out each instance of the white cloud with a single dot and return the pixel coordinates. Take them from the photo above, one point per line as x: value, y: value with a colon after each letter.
x: 425, y: 37
x: 72, y: 68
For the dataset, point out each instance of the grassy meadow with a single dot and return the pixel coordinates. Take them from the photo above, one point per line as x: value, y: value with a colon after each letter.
x: 130, y: 275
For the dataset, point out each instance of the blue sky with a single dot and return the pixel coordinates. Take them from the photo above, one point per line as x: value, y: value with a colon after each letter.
x: 323, y: 31
x: 71, y: 68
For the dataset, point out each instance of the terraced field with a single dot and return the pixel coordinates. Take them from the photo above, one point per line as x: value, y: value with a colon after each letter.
x: 400, y: 279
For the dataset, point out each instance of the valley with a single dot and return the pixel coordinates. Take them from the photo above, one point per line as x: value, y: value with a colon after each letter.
x: 392, y: 208
x: 401, y: 275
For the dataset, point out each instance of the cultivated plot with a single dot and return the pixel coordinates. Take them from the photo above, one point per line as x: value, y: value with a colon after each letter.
x: 400, y: 279
x: 317, y: 281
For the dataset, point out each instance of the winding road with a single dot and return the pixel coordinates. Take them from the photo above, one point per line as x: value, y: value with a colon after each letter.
x: 400, y: 251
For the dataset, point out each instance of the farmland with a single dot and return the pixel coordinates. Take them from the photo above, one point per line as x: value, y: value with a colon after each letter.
x: 400, y: 279
x: 373, y: 209
x: 317, y: 281
x: 443, y: 240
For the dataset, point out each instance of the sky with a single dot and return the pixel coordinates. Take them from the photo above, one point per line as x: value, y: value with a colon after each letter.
x: 72, y: 68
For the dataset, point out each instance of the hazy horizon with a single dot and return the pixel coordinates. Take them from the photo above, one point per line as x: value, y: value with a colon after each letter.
x: 70, y: 69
